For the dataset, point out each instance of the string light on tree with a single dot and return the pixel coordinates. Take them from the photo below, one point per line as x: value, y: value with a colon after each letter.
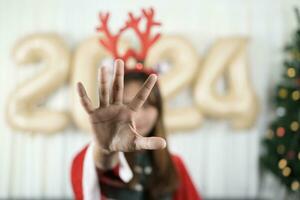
x: 291, y: 72
x: 291, y: 155
x: 294, y: 126
x: 282, y: 163
x: 295, y: 185
x: 286, y: 171
x: 280, y: 131
x: 280, y: 111
x: 296, y: 95
x: 282, y: 93
x: 281, y: 149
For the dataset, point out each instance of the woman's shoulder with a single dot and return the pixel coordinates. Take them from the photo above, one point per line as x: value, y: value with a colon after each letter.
x: 176, y: 158
x: 178, y: 162
x: 186, y: 188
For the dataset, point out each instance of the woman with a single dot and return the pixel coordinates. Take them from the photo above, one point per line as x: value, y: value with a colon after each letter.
x: 128, y: 157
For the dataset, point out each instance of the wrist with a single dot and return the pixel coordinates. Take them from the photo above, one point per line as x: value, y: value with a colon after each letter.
x: 104, y: 159
x: 102, y: 151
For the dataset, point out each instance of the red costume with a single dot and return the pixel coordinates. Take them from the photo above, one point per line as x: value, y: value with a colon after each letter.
x: 85, y: 181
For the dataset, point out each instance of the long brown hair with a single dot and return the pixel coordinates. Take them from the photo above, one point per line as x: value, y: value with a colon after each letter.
x: 165, y: 179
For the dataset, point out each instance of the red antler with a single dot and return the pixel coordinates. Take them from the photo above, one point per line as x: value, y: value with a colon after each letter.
x: 111, y: 41
x: 145, y: 36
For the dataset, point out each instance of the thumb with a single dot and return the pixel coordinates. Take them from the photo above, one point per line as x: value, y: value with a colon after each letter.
x: 150, y: 143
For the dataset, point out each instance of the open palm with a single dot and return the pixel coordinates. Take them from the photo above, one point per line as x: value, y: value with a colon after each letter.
x: 113, y: 122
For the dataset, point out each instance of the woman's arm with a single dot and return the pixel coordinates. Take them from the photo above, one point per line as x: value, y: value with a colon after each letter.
x: 104, y: 160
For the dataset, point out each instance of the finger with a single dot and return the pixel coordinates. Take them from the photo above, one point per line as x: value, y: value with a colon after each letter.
x: 84, y: 99
x: 150, y: 143
x: 143, y: 93
x: 104, y: 91
x: 118, y: 83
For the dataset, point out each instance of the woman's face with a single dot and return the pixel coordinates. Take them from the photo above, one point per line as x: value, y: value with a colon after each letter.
x: 147, y: 115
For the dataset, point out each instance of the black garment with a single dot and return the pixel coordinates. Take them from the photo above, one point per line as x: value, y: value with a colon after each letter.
x: 143, y: 166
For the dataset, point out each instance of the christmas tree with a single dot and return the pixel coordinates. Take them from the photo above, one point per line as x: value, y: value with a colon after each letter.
x: 281, y: 154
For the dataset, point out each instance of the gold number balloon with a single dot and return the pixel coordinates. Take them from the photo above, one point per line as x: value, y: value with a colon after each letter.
x: 182, y: 119
x: 22, y: 112
x: 183, y: 60
x: 239, y: 104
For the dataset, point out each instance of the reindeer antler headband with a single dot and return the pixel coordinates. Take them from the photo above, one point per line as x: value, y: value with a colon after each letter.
x: 110, y: 40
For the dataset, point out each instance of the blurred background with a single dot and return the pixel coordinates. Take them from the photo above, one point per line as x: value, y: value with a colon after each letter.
x: 222, y: 160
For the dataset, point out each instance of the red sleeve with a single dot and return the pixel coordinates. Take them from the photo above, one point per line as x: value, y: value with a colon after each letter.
x: 108, y: 177
x: 186, y: 188
x: 76, y: 174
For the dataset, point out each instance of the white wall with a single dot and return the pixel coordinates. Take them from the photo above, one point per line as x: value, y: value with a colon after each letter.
x: 222, y: 162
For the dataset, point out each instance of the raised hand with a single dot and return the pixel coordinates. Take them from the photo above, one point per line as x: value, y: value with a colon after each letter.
x: 113, y: 122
